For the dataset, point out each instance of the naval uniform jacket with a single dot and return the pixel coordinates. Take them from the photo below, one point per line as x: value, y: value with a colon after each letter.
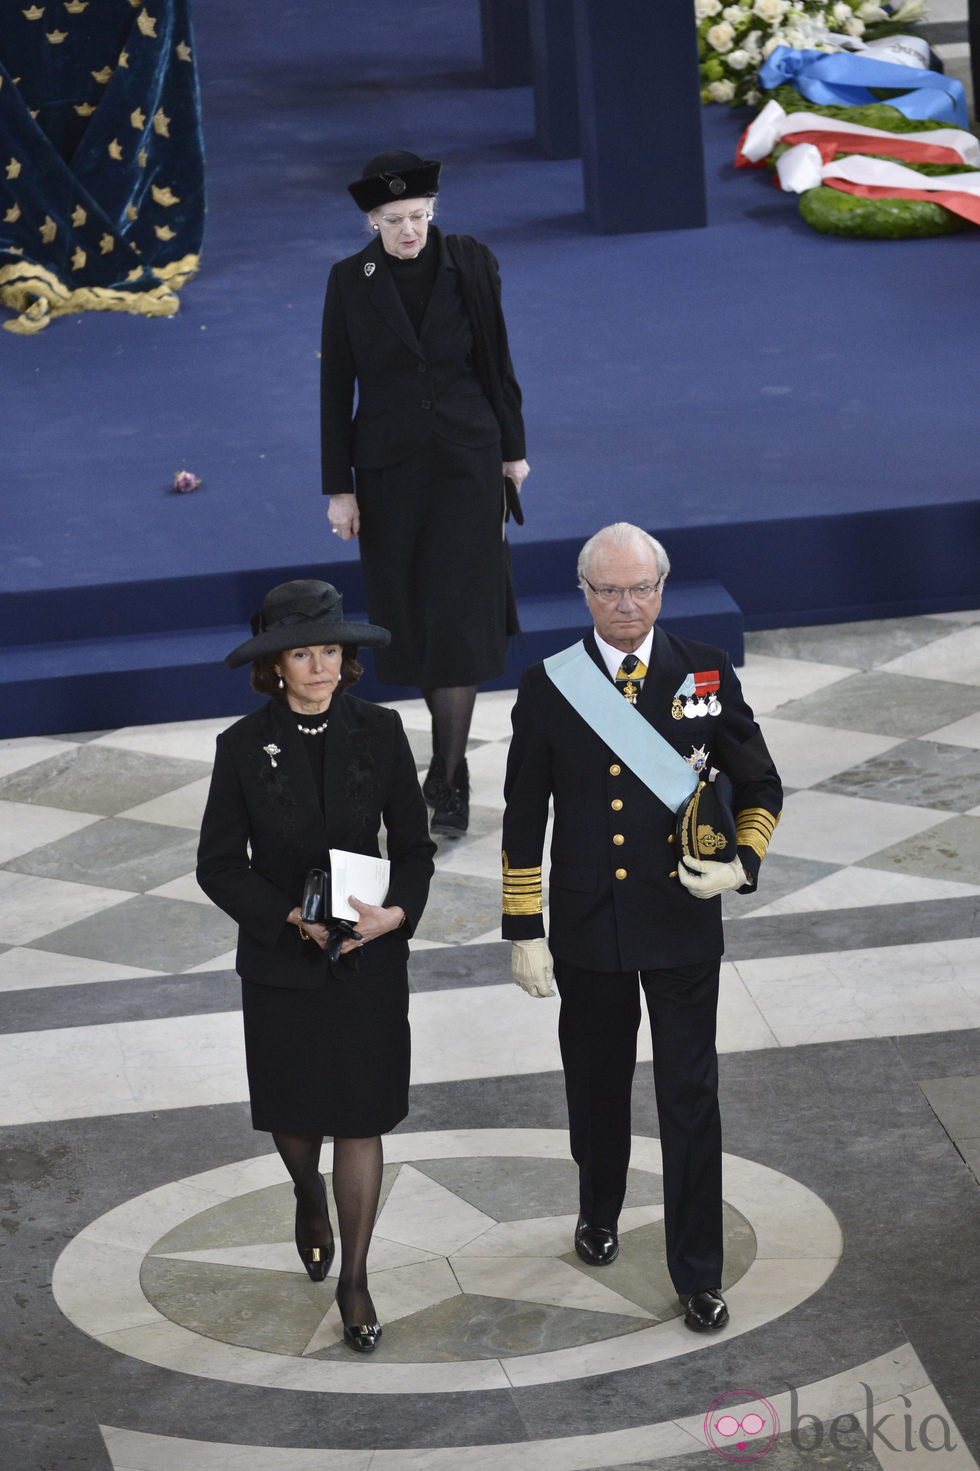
x: 409, y: 387
x: 263, y: 830
x: 616, y: 902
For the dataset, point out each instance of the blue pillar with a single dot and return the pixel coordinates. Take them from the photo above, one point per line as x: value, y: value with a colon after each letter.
x: 555, y: 77
x: 640, y: 115
x: 506, y: 43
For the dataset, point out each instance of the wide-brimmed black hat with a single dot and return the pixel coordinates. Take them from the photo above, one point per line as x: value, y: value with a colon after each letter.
x: 297, y: 614
x: 394, y: 176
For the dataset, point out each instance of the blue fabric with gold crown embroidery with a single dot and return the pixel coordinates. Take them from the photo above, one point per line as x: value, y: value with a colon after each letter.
x: 101, y: 157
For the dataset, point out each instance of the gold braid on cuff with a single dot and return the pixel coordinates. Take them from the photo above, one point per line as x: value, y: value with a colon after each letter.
x: 754, y: 828
x: 522, y: 889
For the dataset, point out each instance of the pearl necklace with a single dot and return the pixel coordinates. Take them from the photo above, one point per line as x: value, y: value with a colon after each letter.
x: 313, y: 729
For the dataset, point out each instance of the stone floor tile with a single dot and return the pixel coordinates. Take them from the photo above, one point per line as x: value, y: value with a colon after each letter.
x: 31, y: 907
x: 24, y: 826
x: 768, y: 682
x: 865, y: 645
x: 183, y: 807
x: 166, y: 935
x: 116, y: 853
x: 459, y: 912
x: 955, y: 657
x: 838, y: 829
x: 965, y: 732
x: 885, y: 704
x: 921, y: 773
x: 185, y: 887
x: 93, y: 778
x: 950, y: 850
x: 24, y: 969
x: 807, y: 754
x: 860, y: 888
x: 955, y: 1102
x: 184, y: 740
x: 24, y: 751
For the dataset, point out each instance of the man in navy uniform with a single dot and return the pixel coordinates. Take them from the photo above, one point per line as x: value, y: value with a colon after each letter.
x: 618, y: 731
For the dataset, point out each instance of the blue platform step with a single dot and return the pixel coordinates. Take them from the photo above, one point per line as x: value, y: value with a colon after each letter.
x: 178, y: 674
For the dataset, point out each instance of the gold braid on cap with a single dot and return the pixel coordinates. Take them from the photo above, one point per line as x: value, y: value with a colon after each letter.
x: 754, y: 828
x: 522, y: 889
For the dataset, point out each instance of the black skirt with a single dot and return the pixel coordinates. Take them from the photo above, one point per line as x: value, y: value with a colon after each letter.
x: 334, y: 1060
x: 436, y: 565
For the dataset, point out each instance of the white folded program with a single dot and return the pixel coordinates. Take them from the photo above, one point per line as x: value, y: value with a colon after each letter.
x: 774, y: 123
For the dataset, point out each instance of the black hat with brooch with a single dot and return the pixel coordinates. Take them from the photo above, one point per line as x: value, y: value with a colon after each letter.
x: 295, y: 615
x: 394, y: 176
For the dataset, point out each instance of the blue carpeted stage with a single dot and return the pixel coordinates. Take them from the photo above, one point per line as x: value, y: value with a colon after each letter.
x: 794, y: 415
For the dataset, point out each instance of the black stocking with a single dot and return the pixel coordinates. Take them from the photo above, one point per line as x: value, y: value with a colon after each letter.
x: 301, y: 1155
x: 451, y: 710
x: 356, y: 1189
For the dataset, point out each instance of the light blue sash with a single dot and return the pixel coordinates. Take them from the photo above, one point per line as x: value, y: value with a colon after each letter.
x: 620, y: 726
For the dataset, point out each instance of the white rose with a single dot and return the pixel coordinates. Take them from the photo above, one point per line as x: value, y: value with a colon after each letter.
x: 871, y: 10
x: 770, y: 10
x: 721, y: 91
x: 704, y: 8
x: 721, y: 36
x: 770, y: 45
x: 908, y: 10
x: 738, y: 60
x: 753, y: 97
x: 841, y: 11
x: 734, y: 14
x: 854, y: 26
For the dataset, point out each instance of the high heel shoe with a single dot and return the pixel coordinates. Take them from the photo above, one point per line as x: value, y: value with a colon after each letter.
x: 362, y: 1337
x: 316, y: 1259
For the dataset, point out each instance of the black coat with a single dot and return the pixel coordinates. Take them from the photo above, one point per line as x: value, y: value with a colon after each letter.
x: 273, y: 812
x: 408, y: 387
x: 608, y: 823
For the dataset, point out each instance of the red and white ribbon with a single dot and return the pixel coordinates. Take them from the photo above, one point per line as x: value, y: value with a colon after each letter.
x: 803, y: 168
x: 836, y: 135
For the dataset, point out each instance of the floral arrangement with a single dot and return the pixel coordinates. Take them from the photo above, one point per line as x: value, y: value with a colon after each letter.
x: 734, y: 40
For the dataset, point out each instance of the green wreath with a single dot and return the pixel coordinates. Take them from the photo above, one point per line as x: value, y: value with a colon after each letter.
x: 834, y: 212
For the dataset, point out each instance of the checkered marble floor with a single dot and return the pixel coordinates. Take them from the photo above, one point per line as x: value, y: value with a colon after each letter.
x: 159, y: 1225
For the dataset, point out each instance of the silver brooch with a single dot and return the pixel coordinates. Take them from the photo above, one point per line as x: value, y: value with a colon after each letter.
x: 272, y: 752
x: 369, y: 268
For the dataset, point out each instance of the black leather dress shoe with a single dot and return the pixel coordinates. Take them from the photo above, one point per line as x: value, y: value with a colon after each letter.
x: 704, y: 1311
x: 362, y: 1337
x: 597, y: 1245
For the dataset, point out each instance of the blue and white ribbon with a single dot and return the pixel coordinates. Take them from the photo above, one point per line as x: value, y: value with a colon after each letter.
x: 836, y: 79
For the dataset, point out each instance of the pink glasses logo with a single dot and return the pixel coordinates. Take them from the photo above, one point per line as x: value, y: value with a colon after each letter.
x: 741, y: 1426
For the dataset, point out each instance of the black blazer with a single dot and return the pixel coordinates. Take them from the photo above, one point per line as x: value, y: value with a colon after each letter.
x: 646, y: 919
x: 408, y: 386
x: 271, y: 811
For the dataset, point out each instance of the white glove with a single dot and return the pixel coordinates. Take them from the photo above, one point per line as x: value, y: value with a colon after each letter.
x: 531, y: 966
x: 709, y: 878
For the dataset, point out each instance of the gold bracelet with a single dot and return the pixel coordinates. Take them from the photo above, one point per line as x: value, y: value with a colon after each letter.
x: 302, y: 933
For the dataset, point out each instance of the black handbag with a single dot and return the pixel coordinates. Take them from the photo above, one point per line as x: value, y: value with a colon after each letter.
x: 315, y: 909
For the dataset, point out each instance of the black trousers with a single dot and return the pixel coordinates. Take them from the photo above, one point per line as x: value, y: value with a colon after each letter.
x: 597, y: 1030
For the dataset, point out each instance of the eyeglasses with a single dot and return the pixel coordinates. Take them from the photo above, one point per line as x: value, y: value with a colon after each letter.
x: 391, y: 221
x: 638, y: 594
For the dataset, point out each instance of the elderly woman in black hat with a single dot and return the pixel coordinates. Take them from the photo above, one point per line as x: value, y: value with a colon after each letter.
x: 414, y: 321
x: 326, y: 1013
